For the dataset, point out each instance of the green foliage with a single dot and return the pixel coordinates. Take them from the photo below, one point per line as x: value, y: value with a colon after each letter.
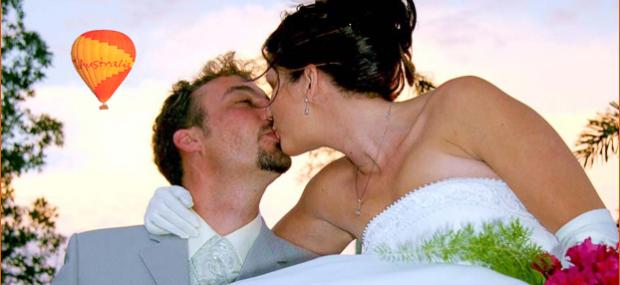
x: 29, y: 240
x: 422, y: 84
x: 24, y: 56
x: 599, y: 137
x: 506, y: 249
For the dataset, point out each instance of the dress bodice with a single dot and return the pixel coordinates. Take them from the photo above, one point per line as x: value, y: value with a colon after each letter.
x: 450, y: 204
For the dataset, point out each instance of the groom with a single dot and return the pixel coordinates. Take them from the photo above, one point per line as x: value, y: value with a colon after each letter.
x: 213, y: 137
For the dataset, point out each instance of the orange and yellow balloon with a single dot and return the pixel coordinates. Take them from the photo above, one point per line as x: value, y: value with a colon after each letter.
x: 103, y: 58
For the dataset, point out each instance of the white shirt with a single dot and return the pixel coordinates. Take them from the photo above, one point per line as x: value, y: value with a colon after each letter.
x: 242, y: 239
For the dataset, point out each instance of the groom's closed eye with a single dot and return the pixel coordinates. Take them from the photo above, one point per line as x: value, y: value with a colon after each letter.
x: 255, y: 101
x: 247, y: 101
x: 242, y: 94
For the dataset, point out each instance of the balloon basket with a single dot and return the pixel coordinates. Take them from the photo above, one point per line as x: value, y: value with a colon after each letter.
x: 103, y: 107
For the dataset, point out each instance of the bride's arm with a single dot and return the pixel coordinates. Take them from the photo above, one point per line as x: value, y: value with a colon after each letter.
x: 307, y: 225
x: 524, y: 150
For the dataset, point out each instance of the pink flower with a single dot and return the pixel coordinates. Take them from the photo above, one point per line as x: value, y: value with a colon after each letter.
x: 593, y: 264
x: 570, y: 276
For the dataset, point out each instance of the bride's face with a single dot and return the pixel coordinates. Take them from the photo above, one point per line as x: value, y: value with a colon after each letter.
x: 287, y: 108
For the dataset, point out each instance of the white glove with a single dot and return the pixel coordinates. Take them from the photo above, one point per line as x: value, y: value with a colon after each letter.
x: 169, y: 212
x: 596, y: 224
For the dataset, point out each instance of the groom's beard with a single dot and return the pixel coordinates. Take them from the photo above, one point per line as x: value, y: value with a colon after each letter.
x: 275, y: 161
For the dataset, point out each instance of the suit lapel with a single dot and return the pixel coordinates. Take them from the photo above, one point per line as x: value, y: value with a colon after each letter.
x: 167, y: 260
x: 265, y: 254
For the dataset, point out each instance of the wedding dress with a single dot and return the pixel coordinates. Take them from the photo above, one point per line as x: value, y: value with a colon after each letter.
x: 449, y: 204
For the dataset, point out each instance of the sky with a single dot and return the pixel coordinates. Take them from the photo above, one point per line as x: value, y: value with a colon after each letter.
x: 559, y: 57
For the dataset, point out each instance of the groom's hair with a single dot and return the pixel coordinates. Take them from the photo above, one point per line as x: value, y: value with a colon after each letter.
x: 181, y: 111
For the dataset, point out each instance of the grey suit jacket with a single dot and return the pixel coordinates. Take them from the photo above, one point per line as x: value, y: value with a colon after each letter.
x: 131, y: 255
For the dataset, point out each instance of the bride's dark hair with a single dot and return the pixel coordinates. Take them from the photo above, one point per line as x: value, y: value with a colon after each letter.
x: 364, y: 45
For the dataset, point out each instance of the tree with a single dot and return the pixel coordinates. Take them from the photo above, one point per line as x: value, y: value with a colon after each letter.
x: 599, y: 137
x: 28, y: 233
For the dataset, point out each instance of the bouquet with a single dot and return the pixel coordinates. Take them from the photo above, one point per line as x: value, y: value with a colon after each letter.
x: 591, y: 264
x: 508, y: 249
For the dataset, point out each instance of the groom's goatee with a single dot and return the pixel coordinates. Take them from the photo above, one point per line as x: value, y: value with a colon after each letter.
x: 276, y: 161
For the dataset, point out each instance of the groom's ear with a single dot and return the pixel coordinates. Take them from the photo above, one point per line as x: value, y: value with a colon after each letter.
x: 186, y: 140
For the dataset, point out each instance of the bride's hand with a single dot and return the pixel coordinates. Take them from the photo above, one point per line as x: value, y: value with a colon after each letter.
x: 169, y: 212
x: 598, y: 225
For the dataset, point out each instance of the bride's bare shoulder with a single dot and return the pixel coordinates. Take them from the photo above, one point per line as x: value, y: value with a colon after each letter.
x: 329, y: 181
x: 465, y: 91
x: 462, y: 99
x: 336, y: 172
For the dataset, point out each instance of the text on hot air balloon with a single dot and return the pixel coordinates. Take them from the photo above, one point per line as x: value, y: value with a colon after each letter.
x: 96, y: 64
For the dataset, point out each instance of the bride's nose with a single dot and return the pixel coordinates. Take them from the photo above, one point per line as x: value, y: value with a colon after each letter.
x: 268, y: 114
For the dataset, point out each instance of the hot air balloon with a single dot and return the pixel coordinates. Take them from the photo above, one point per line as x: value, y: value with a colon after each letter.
x: 103, y: 58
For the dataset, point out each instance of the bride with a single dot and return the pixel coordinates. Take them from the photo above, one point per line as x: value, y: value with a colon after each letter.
x: 464, y: 154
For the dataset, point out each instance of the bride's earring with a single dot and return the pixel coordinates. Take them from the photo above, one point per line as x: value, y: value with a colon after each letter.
x: 307, y: 108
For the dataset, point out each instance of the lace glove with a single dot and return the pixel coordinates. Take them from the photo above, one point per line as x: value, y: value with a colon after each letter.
x: 169, y: 212
x: 596, y: 224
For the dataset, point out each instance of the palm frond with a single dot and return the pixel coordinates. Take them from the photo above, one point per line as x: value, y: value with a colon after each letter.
x: 599, y: 138
x: 422, y: 83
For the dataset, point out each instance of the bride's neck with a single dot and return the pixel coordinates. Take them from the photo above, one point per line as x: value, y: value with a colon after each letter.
x: 368, y: 137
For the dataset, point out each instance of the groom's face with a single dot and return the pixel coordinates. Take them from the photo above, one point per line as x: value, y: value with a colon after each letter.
x: 238, y: 130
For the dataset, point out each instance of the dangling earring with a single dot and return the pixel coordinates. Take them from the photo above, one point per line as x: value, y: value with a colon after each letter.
x: 307, y: 108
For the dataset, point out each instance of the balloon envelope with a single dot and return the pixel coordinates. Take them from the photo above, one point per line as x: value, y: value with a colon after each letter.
x: 103, y: 58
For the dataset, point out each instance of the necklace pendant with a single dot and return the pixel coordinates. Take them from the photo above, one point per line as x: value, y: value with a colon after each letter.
x: 358, y: 211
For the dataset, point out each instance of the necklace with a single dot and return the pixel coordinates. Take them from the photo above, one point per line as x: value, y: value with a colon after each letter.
x: 360, y: 197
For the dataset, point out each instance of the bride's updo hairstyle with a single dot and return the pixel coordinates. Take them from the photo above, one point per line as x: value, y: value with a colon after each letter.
x: 364, y: 45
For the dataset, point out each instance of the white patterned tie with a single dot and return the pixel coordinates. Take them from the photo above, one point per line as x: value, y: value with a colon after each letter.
x: 216, y: 262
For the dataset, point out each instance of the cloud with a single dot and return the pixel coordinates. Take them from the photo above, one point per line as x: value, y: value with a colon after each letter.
x: 103, y: 175
x: 182, y: 49
x: 524, y: 59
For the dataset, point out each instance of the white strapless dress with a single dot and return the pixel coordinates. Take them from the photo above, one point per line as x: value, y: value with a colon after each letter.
x: 448, y: 204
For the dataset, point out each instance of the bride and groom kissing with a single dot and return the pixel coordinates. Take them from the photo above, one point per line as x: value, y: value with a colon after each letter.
x: 464, y: 154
